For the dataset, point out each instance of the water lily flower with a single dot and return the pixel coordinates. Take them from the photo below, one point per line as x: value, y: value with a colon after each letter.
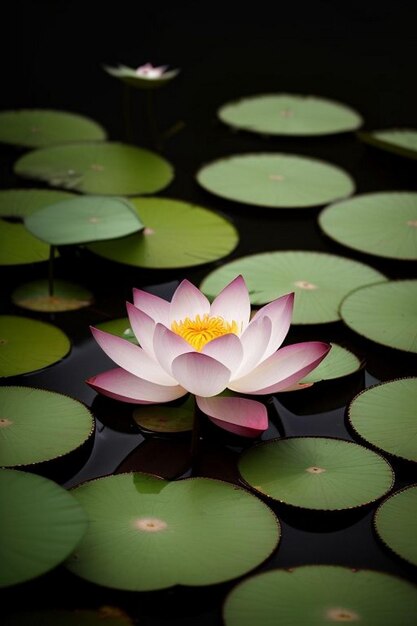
x: 150, y: 71
x: 146, y: 76
x: 191, y: 346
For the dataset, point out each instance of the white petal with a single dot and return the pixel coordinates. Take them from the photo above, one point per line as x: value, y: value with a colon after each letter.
x: 226, y: 349
x: 255, y: 341
x: 167, y: 346
x: 187, y: 301
x: 280, y: 313
x: 143, y: 327
x: 120, y: 385
x: 241, y: 416
x: 157, y: 308
x: 233, y: 303
x: 132, y: 358
x: 200, y: 374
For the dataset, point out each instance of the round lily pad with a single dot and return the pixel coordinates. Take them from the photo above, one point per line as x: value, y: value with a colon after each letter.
x: 337, y: 363
x: 35, y: 296
x: 166, y: 419
x: 40, y: 525
x: 38, y: 425
x: 276, y: 180
x: 317, y: 473
x: 385, y: 313
x: 314, y: 595
x: 36, y: 128
x: 83, y: 219
x: 147, y: 533
x: 383, y: 224
x: 395, y: 523
x: 320, y: 281
x: 385, y: 416
x: 19, y: 247
x: 19, y: 203
x: 119, y: 327
x: 176, y: 234
x: 290, y: 114
x: 27, y: 345
x: 129, y: 76
x: 104, y: 616
x: 103, y: 168
x: 402, y: 141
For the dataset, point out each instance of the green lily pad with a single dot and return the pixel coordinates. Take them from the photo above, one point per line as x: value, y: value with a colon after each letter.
x: 385, y: 416
x: 290, y: 114
x: 20, y: 203
x: 84, y: 219
x: 36, y: 128
x: 27, y: 345
x: 129, y: 76
x: 383, y: 224
x: 147, y: 533
x: 40, y: 525
x: 317, y: 473
x: 385, y: 313
x: 105, y: 616
x: 314, y: 595
x: 35, y: 296
x: 176, y: 234
x: 105, y: 168
x: 276, y: 180
x: 395, y: 523
x: 119, y: 327
x: 38, y: 425
x: 166, y: 419
x: 320, y: 281
x: 337, y: 363
x: 402, y: 141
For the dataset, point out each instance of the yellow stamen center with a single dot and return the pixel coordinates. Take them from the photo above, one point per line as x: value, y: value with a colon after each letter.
x: 201, y: 330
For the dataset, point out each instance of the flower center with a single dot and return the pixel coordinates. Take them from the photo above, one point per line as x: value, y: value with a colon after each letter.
x: 201, y: 330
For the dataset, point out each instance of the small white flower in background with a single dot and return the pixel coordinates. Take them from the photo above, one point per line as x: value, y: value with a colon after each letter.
x: 150, y: 71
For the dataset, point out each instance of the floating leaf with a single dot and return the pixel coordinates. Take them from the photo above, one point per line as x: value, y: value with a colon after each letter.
x: 147, y: 533
x: 36, y: 128
x: 176, y: 234
x: 290, y: 114
x: 166, y: 419
x: 20, y: 203
x: 276, y: 180
x: 119, y: 327
x: 337, y: 363
x: 106, y: 168
x: 320, y: 281
x: 385, y: 313
x: 395, y: 523
x: 35, y: 296
x: 402, y: 141
x: 40, y: 525
x: 383, y: 224
x: 317, y: 473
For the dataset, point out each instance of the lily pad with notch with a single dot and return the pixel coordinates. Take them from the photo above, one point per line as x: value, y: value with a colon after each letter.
x: 316, y: 473
x: 402, y: 141
x: 320, y: 281
x: 147, y: 533
x: 337, y: 363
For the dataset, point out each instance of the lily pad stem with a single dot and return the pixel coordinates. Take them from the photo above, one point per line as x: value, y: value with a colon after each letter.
x: 127, y: 112
x: 195, y: 451
x: 51, y: 271
x: 153, y: 127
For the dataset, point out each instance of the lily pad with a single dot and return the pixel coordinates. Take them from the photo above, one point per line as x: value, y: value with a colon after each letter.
x: 385, y: 416
x: 38, y: 425
x: 35, y: 296
x: 129, y: 76
x: 166, y: 419
x: 105, y: 168
x: 402, y: 141
x: 36, y: 128
x: 147, y: 533
x: 83, y: 219
x: 383, y: 224
x: 104, y: 616
x: 40, y: 525
x: 119, y: 327
x: 320, y: 281
x: 317, y: 473
x: 176, y: 234
x: 337, y: 363
x: 276, y: 180
x: 385, y: 313
x: 314, y: 595
x: 395, y: 523
x: 27, y: 345
x: 20, y: 203
x: 290, y: 114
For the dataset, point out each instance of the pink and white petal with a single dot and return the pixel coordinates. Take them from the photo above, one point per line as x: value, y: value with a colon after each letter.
x: 282, y: 369
x: 143, y: 327
x: 157, y: 308
x: 255, y: 341
x: 120, y: 385
x: 167, y: 346
x: 233, y: 304
x: 240, y: 416
x: 187, y: 301
x: 280, y: 313
x: 132, y: 358
x: 226, y: 349
x: 200, y: 374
